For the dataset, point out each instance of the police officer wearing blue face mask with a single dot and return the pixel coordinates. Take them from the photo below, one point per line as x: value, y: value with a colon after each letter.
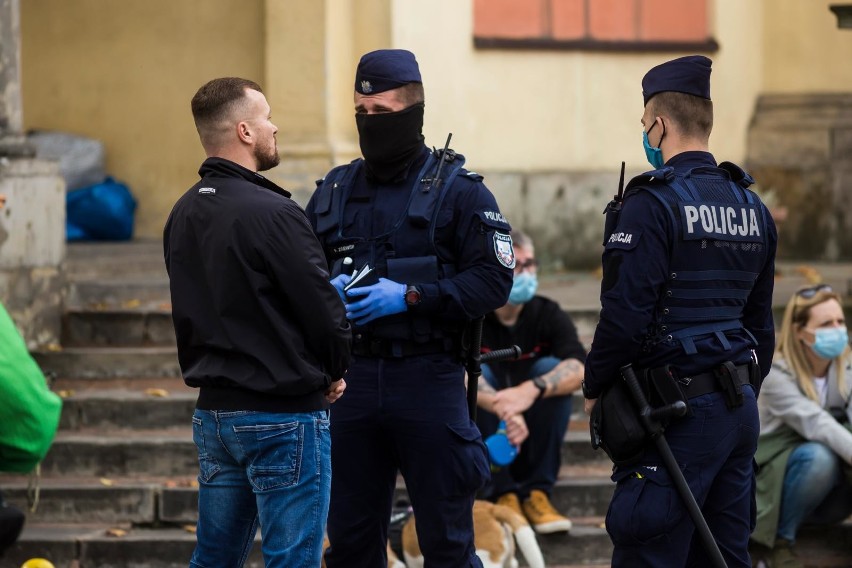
x: 536, y: 388
x: 439, y: 255
x: 686, y: 299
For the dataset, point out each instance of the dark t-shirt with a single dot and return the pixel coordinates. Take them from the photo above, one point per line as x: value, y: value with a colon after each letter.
x: 543, y: 329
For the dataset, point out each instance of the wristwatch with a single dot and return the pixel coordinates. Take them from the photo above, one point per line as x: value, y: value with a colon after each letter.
x: 541, y: 384
x: 412, y: 295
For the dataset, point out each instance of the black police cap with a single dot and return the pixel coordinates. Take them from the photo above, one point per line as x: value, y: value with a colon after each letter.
x: 690, y: 75
x: 386, y: 69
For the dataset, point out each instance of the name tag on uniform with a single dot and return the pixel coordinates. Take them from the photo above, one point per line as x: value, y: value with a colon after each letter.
x: 722, y: 221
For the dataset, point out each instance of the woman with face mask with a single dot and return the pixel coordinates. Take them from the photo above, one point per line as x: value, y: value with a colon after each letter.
x: 805, y: 445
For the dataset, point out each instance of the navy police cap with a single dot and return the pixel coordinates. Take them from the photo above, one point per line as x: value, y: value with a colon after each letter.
x: 386, y: 69
x: 690, y: 75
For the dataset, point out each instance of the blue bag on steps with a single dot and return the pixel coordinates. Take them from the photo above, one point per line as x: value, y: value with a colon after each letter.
x: 100, y: 212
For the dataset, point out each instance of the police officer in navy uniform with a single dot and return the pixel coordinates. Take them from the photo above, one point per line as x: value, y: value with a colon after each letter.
x: 439, y: 255
x: 686, y: 298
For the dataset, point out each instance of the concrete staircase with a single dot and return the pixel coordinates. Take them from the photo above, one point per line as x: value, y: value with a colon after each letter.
x: 118, y: 487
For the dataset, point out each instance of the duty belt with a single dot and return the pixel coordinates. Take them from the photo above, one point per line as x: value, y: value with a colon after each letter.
x: 367, y: 346
x: 704, y: 383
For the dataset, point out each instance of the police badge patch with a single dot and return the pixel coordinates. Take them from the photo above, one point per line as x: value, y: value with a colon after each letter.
x: 504, y: 250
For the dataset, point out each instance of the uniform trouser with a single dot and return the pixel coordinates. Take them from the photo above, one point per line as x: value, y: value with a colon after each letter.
x: 409, y: 415
x: 647, y: 520
x: 537, y: 464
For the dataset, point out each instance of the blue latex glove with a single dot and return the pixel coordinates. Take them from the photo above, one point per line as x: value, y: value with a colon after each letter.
x: 339, y: 282
x: 379, y: 300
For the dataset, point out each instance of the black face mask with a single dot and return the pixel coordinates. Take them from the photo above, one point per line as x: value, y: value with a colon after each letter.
x: 390, y: 141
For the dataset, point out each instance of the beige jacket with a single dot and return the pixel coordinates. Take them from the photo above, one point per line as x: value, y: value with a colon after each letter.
x: 781, y: 402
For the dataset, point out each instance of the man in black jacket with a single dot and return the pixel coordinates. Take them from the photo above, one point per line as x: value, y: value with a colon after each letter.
x: 261, y: 333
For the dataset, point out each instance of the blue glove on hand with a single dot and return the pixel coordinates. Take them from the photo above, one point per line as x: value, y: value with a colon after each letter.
x: 383, y: 299
x: 339, y: 282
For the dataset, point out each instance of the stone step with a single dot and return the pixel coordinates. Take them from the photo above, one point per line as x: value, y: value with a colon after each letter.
x: 110, y: 362
x: 581, y: 491
x: 118, y: 290
x: 161, y: 403
x: 91, y: 545
x: 170, y: 451
x: 128, y: 408
x: 106, y: 453
x: 145, y: 325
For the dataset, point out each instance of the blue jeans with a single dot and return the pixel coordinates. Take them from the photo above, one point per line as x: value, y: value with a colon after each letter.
x: 537, y: 464
x: 815, y: 490
x: 259, y: 467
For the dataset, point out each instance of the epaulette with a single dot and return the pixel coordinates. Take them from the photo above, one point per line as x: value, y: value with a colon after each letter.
x: 333, y: 172
x: 472, y: 176
x: 652, y: 177
x: 738, y: 175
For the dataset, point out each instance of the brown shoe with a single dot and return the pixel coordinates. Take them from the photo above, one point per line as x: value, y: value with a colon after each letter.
x: 511, y: 501
x: 541, y: 514
x: 782, y: 556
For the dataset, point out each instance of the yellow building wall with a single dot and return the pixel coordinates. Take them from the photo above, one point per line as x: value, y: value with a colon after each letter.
x: 532, y: 110
x: 804, y: 50
x: 124, y: 72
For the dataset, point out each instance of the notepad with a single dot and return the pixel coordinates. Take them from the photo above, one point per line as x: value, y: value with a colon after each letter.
x: 364, y: 276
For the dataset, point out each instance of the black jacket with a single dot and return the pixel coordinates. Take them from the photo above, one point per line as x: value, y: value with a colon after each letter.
x: 258, y: 325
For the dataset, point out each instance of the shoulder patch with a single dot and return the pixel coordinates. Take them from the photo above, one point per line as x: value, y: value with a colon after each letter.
x: 494, y: 219
x: 623, y: 240
x: 503, y: 249
x: 652, y: 177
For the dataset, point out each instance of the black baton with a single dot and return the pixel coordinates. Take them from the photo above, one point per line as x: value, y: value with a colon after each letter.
x: 651, y: 421
x: 475, y: 358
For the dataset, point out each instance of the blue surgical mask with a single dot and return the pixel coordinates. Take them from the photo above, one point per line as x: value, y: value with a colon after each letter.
x: 654, y: 155
x: 829, y: 342
x: 523, y: 288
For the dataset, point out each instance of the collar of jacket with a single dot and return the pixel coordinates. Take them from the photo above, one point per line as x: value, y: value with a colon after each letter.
x: 220, y: 167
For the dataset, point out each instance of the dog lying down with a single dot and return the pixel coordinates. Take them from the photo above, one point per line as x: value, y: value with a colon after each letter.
x: 496, y: 529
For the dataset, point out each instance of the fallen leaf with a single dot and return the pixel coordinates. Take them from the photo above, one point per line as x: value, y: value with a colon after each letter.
x: 53, y: 347
x: 189, y: 528
x: 65, y: 393
x: 116, y: 532
x: 193, y: 483
x: 130, y: 304
x: 810, y: 273
x: 162, y: 393
x: 107, y: 482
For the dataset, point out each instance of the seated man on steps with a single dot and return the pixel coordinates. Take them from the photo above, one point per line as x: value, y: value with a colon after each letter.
x: 538, y: 386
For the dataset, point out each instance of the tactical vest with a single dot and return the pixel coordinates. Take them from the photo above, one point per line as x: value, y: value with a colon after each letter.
x: 406, y: 253
x: 717, y: 254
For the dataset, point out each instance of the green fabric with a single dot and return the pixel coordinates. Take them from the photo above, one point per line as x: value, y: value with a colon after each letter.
x: 773, y: 451
x: 29, y: 411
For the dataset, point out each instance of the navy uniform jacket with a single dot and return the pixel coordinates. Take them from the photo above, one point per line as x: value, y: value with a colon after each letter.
x: 635, y: 275
x: 258, y: 325
x: 467, y: 228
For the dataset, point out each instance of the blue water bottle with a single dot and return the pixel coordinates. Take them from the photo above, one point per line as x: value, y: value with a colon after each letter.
x: 500, y: 451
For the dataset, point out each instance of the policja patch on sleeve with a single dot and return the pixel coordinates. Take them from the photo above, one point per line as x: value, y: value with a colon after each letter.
x: 504, y: 250
x: 623, y: 240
